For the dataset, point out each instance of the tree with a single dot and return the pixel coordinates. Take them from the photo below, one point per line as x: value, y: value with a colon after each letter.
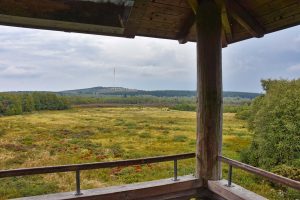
x: 275, y: 121
x: 27, y: 103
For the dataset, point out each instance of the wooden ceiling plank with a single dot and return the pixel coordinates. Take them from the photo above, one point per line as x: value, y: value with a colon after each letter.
x: 185, y: 29
x: 137, y: 12
x: 242, y: 16
x: 188, y: 23
x: 162, y: 8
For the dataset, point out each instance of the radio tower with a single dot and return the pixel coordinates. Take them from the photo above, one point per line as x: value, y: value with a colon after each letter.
x: 114, y: 78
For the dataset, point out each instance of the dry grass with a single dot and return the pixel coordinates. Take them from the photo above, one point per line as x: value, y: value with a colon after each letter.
x: 83, y: 135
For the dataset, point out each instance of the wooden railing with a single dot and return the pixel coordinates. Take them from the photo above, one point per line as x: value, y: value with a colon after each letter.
x: 99, y: 165
x: 124, y: 163
x: 254, y: 170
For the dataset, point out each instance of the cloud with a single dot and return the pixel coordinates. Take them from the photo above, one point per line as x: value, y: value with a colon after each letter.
x: 294, y: 68
x: 18, y: 72
x: 49, y: 60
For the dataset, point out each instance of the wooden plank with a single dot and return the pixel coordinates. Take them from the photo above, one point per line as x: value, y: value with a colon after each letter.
x: 158, y: 188
x: 174, y: 3
x: 137, y: 12
x: 59, y: 25
x: 88, y: 166
x: 185, y: 28
x: 226, y: 21
x: 234, y: 192
x: 209, y: 91
x: 166, y: 9
x: 242, y: 16
x: 268, y: 175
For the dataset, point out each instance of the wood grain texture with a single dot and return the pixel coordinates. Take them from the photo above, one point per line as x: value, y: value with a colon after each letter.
x: 169, y: 19
x: 159, y: 189
x: 235, y: 192
x: 209, y: 91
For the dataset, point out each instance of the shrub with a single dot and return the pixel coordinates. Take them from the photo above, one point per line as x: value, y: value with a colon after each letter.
x: 287, y: 171
x: 180, y: 138
x: 243, y: 112
x: 184, y: 107
x: 117, y: 150
x: 275, y: 121
x: 145, y: 135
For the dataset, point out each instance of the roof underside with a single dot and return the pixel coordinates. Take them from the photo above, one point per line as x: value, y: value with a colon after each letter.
x: 170, y: 19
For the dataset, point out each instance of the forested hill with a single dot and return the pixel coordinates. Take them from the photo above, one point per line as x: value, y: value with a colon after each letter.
x: 119, y: 91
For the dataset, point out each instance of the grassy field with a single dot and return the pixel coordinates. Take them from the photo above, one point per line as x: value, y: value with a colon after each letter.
x: 83, y: 135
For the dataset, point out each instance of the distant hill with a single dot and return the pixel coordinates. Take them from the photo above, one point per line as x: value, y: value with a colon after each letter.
x: 120, y: 91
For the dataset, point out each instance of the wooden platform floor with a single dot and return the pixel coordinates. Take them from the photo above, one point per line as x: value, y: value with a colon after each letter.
x: 186, y: 188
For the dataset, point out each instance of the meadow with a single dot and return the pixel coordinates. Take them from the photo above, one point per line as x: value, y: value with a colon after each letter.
x: 81, y: 135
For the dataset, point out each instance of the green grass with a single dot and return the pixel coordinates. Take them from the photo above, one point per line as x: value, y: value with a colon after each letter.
x: 82, y: 135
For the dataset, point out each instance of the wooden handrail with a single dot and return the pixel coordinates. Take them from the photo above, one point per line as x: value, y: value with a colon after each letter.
x: 268, y: 175
x: 88, y: 166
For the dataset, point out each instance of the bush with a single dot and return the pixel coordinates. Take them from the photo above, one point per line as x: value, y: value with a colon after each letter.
x: 117, y: 150
x: 230, y: 109
x: 145, y: 135
x: 180, y: 138
x: 275, y: 120
x: 184, y: 107
x: 287, y: 171
x: 243, y: 112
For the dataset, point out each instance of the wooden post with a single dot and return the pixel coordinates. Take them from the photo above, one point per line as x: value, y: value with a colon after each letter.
x: 209, y: 91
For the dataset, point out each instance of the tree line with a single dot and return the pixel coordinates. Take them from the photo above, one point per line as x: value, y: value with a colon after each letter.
x: 18, y: 102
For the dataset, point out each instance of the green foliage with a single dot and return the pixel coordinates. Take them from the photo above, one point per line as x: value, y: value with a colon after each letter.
x: 184, y: 107
x: 180, y: 138
x: 275, y: 121
x: 230, y: 109
x: 145, y: 135
x: 18, y: 103
x: 117, y: 150
x: 86, y: 135
x: 243, y: 112
x: 26, y: 186
x: 287, y: 171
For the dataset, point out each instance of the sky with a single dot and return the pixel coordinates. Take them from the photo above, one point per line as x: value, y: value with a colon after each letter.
x: 43, y: 60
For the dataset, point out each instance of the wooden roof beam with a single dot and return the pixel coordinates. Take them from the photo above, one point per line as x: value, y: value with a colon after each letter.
x: 185, y: 29
x: 226, y: 21
x: 242, y: 16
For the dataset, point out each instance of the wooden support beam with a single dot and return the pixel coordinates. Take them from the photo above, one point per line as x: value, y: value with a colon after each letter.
x: 242, y: 16
x: 185, y: 29
x: 209, y: 91
x: 224, y: 38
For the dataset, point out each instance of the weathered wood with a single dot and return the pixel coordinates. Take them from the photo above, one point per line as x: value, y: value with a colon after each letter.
x: 60, y: 25
x: 242, y: 16
x: 88, y: 166
x: 137, y: 12
x: 268, y: 175
x: 226, y: 20
x: 158, y: 189
x: 209, y: 91
x: 159, y: 19
x: 233, y: 193
x: 182, y: 36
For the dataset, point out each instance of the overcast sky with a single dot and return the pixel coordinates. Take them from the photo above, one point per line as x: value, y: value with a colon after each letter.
x: 48, y: 60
